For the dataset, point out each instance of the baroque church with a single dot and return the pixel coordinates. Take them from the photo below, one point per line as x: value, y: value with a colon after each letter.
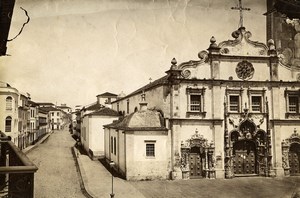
x: 233, y: 112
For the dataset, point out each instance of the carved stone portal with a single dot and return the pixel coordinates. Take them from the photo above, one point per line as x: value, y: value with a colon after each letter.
x: 246, y: 150
x: 197, y: 158
x: 291, y: 154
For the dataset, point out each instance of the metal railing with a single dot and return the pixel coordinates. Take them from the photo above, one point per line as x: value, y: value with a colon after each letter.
x: 16, y: 171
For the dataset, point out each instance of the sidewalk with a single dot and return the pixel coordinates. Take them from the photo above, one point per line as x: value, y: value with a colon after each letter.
x: 97, y: 181
x: 29, y: 148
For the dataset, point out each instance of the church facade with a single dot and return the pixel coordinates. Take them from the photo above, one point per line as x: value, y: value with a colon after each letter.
x: 234, y: 112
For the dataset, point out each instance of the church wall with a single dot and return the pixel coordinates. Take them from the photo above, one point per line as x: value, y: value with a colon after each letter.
x: 281, y: 131
x: 187, y: 128
x: 140, y: 166
x: 261, y: 70
x: 285, y: 74
x: 156, y: 97
x: 201, y: 71
x: 96, y: 131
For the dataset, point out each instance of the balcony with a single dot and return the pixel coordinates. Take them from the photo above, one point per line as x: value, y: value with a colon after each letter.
x: 16, y: 171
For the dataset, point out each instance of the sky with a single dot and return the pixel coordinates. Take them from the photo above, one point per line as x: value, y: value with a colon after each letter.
x: 73, y: 50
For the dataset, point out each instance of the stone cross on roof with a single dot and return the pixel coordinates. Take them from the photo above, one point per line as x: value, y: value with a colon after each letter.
x: 241, y: 9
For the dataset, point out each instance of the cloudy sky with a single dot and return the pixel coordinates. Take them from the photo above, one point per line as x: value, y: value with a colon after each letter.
x: 73, y: 50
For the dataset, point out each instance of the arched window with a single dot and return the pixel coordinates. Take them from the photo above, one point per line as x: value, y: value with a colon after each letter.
x: 8, y: 121
x: 9, y: 103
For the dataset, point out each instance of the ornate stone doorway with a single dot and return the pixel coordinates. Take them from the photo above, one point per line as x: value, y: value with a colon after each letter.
x: 197, y: 158
x: 291, y: 155
x: 246, y: 153
x: 294, y: 159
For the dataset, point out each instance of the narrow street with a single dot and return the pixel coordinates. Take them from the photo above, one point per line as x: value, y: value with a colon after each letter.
x: 57, y: 175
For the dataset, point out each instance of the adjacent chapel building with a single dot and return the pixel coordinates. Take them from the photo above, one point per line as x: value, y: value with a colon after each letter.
x: 233, y: 112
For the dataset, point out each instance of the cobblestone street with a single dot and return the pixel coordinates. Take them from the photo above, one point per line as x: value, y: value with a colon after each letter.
x: 57, y: 175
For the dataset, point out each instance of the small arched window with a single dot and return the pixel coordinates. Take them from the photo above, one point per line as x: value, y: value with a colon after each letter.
x: 8, y: 122
x: 9, y: 103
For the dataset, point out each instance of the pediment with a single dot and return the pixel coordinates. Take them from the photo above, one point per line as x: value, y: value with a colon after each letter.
x: 188, y: 67
x: 242, y: 45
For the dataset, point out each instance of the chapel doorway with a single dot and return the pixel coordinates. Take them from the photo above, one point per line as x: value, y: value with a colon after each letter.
x: 294, y: 158
x: 244, y: 158
x: 197, y: 158
x: 195, y: 163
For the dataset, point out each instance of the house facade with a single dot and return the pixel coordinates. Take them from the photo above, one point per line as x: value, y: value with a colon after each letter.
x: 139, y: 145
x: 55, y: 118
x: 93, y: 133
x: 92, y: 119
x: 55, y: 115
x: 9, y: 97
x: 228, y: 114
x: 24, y: 120
x: 34, y: 121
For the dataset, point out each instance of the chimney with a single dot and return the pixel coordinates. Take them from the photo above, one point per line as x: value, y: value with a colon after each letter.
x: 143, y: 103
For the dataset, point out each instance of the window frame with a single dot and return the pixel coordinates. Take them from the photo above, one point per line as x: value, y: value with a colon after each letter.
x: 9, y: 103
x: 260, y: 106
x: 257, y: 93
x: 295, y: 106
x: 150, y: 144
x: 288, y: 94
x: 234, y: 92
x: 8, y: 118
x: 199, y: 92
x: 238, y: 105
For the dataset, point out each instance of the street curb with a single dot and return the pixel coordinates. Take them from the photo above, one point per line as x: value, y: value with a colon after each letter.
x: 82, y: 187
x: 30, y: 148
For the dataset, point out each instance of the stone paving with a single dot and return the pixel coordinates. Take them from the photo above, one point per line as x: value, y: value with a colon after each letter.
x: 97, y: 180
x: 57, y: 175
x: 252, y: 187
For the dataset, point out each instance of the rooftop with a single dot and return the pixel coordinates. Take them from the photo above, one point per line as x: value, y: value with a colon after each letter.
x: 140, y: 121
x: 105, y: 112
x: 107, y: 94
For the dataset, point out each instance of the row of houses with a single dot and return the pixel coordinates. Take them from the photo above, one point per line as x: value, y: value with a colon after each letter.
x: 88, y: 122
x: 26, y: 121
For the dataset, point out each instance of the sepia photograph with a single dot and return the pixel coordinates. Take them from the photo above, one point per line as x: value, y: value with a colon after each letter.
x: 150, y: 98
